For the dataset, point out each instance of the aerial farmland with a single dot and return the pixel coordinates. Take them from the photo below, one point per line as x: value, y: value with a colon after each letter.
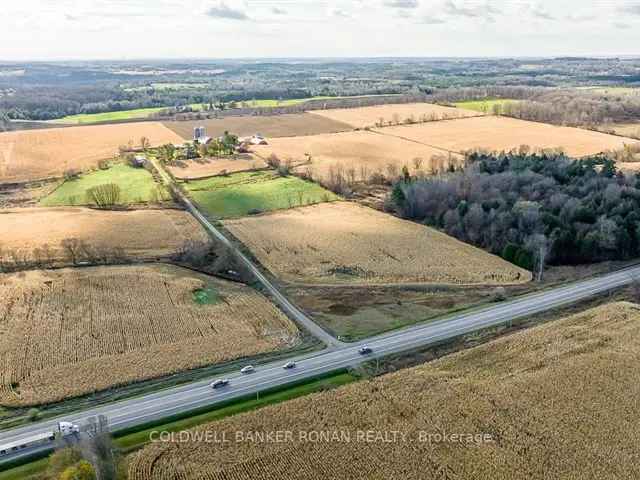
x: 145, y: 321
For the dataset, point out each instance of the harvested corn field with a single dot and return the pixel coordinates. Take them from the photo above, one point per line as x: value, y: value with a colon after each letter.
x: 209, y: 167
x: 356, y: 156
x: 69, y: 332
x: 556, y: 401
x: 270, y: 126
x: 137, y: 233
x: 504, y: 134
x: 342, y: 242
x: 38, y: 154
x: 384, y: 115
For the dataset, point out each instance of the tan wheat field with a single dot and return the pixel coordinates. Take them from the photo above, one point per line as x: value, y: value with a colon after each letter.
x: 342, y: 242
x: 555, y: 401
x: 70, y: 332
x: 356, y: 155
x: 383, y: 115
x: 139, y: 233
x: 38, y: 154
x: 503, y: 134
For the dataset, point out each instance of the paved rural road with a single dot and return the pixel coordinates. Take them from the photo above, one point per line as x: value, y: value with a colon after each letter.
x: 155, y: 406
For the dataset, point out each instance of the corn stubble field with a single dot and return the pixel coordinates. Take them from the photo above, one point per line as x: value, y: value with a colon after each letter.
x: 384, y: 115
x: 140, y: 233
x: 357, y: 156
x: 38, y: 154
x: 503, y: 134
x: 70, y: 332
x: 554, y: 398
x: 344, y: 243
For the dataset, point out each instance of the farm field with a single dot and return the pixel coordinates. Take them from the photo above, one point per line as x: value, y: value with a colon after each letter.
x: 136, y: 186
x: 503, y: 134
x: 288, y: 125
x: 366, y: 117
x: 355, y: 154
x: 38, y: 154
x: 138, y: 233
x: 208, y: 167
x: 545, y: 402
x: 143, y: 322
x: 631, y: 130
x: 484, y: 106
x: 254, y: 192
x: 88, y: 118
x: 344, y: 243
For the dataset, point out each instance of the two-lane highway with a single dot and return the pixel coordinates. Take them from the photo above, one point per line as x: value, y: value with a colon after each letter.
x: 164, y: 403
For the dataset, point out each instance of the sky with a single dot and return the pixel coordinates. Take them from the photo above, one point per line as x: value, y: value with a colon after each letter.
x: 154, y: 29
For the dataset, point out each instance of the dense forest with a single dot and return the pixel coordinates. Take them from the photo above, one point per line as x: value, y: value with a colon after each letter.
x: 532, y: 209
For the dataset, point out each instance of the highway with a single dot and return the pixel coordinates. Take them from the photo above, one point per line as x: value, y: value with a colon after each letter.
x: 160, y: 404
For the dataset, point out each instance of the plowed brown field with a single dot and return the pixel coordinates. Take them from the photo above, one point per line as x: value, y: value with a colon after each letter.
x: 39, y: 154
x: 343, y: 242
x: 270, y: 126
x: 556, y: 401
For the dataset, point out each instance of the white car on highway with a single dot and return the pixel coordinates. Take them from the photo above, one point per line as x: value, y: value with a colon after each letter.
x: 247, y: 369
x: 289, y: 365
x: 221, y: 382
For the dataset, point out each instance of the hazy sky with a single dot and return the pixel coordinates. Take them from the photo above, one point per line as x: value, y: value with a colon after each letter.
x: 130, y: 29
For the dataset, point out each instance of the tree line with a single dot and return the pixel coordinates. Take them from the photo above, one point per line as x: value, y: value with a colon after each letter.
x: 532, y: 209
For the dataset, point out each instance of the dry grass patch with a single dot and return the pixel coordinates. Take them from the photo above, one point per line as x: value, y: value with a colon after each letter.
x: 631, y: 130
x: 357, y: 156
x: 383, y: 115
x: 70, y: 332
x: 343, y: 242
x: 270, y: 126
x: 139, y: 233
x: 503, y: 134
x: 210, y: 167
x: 558, y: 401
x: 38, y: 154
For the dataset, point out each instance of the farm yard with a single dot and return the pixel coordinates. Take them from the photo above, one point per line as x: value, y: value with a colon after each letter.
x: 393, y: 114
x: 344, y: 243
x: 136, y: 185
x: 70, y: 332
x: 38, y: 154
x: 209, y: 167
x: 503, y: 134
x: 356, y: 155
x: 527, y: 405
x: 251, y: 193
x: 270, y: 126
x: 137, y: 233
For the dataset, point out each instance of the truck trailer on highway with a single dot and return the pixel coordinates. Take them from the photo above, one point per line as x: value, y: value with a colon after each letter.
x: 65, y: 429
